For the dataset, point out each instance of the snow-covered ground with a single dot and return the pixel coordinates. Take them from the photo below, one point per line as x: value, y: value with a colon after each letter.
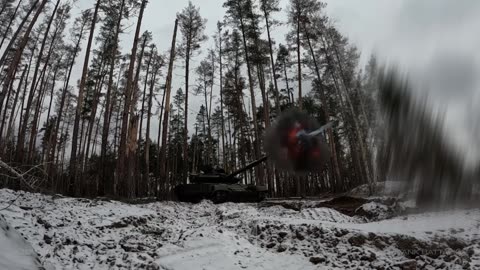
x: 96, y: 234
x: 15, y: 252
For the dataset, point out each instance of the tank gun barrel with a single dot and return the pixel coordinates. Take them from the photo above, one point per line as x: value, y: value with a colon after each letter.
x: 248, y: 167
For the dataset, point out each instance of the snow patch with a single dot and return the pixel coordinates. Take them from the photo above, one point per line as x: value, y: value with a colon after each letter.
x: 15, y: 252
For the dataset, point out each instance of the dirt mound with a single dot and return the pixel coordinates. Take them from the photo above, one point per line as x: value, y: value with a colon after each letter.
x: 344, y: 204
x: 345, y: 248
x: 370, y: 208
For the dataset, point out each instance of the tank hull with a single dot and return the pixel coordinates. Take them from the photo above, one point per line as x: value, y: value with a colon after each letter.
x: 220, y: 193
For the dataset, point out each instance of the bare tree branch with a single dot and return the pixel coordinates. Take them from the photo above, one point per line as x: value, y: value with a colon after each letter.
x: 17, y: 174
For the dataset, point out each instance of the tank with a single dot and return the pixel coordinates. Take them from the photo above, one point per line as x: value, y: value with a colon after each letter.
x: 219, y: 187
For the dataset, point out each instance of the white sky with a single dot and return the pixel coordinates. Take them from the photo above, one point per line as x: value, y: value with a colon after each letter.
x: 435, y: 41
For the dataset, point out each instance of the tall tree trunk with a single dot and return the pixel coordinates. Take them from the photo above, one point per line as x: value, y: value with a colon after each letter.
x: 299, y: 63
x: 140, y: 182
x: 261, y: 82
x: 36, y: 119
x: 78, y: 187
x: 10, y: 22
x: 73, y: 156
x: 369, y: 171
x: 4, y: 118
x: 292, y: 98
x: 342, y: 73
x: 63, y: 97
x: 231, y: 146
x: 160, y: 117
x: 185, y: 128
x: 142, y: 109
x: 222, y: 118
x: 168, y: 89
x: 266, y: 103
x: 95, y: 137
x: 207, y: 131
x: 147, y: 133
x: 358, y: 130
x: 106, y: 186
x: 272, y: 61
x: 211, y: 87
x: 15, y: 101
x: 252, y: 93
x: 132, y: 151
x: 195, y: 148
x: 46, y: 149
x: 52, y: 89
x: 128, y: 111
x: 326, y: 109
x: 116, y: 139
x: 93, y: 114
x: 209, y: 111
x: 62, y: 185
x: 137, y: 78
x: 17, y: 32
x: 19, y: 131
x: 16, y: 61
x: 34, y: 86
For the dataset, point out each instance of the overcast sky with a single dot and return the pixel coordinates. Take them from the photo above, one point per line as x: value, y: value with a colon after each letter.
x: 436, y: 42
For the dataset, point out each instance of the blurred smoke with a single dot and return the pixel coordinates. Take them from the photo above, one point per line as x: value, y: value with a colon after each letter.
x: 452, y: 75
x: 313, y: 152
x: 414, y: 145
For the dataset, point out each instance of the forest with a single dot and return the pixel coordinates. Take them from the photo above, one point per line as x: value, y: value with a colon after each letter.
x: 96, y: 136
x: 109, y: 107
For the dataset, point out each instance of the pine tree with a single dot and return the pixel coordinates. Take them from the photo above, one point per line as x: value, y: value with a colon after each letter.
x: 127, y: 150
x: 168, y: 87
x: 298, y: 11
x: 176, y: 140
x: 13, y: 39
x: 9, y: 15
x: 192, y: 27
x: 72, y: 51
x: 157, y: 63
x: 146, y: 39
x: 115, y: 13
x: 233, y: 86
x: 283, y: 65
x: 73, y: 155
x: 219, y: 45
x: 268, y: 7
x: 237, y: 15
x: 15, y: 62
x: 53, y: 56
x: 205, y: 81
